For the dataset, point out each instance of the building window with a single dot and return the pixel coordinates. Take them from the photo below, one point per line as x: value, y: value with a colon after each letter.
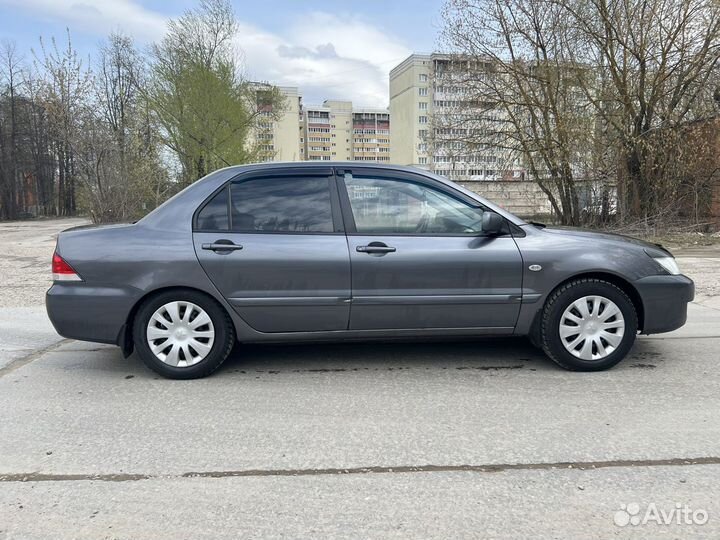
x: 422, y: 161
x: 422, y: 105
x: 423, y: 77
x: 422, y: 91
x: 422, y: 119
x: 422, y: 133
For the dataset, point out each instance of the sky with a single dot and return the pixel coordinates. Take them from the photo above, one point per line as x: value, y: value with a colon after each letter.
x: 329, y: 49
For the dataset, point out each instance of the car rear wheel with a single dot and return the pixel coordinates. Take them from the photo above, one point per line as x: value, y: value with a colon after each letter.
x: 183, y: 334
x: 588, y: 325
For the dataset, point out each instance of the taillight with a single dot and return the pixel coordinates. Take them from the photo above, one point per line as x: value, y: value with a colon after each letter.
x: 62, y: 271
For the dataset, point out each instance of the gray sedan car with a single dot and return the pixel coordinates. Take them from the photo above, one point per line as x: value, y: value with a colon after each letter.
x: 304, y: 251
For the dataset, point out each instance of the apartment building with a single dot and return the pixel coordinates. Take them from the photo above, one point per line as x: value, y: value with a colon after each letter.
x: 435, y: 127
x: 333, y: 131
x: 279, y: 139
x: 328, y: 131
x: 370, y: 135
x: 410, y: 107
x: 316, y: 133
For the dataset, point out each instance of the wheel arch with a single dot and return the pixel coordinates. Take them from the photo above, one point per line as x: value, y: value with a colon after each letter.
x: 621, y: 283
x: 125, y: 337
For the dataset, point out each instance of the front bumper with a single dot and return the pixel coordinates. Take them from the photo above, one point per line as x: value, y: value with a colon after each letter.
x: 89, y: 313
x: 665, y: 299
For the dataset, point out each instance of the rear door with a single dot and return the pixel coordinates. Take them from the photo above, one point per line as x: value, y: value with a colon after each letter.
x: 420, y: 259
x: 273, y: 244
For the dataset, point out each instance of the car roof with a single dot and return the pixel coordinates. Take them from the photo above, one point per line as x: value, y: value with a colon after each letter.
x: 190, y: 197
x: 325, y: 164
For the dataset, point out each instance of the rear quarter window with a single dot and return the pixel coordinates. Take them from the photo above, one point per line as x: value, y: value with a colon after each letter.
x: 214, y: 215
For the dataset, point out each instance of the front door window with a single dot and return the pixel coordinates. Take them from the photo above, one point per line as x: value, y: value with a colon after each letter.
x: 387, y: 206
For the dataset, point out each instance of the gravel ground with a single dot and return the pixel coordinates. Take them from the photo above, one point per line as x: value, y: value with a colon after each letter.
x: 27, y: 248
x: 704, y: 269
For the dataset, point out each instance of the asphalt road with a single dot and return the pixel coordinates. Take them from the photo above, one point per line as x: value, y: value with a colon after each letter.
x: 402, y: 440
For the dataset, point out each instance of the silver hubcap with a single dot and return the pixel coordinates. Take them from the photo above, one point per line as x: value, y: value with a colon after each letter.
x: 592, y: 327
x: 180, y: 334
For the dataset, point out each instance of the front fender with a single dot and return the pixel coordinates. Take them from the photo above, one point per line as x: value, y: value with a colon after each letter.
x: 556, y: 259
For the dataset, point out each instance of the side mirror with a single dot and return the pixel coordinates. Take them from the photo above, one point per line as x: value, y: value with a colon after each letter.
x: 492, y: 223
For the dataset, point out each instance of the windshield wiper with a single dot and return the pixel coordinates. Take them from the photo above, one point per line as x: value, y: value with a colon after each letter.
x: 537, y: 224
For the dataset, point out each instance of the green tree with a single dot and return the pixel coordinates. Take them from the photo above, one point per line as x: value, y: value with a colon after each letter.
x: 207, y: 110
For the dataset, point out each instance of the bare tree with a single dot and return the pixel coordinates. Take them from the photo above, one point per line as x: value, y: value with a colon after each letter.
x: 657, y: 59
x: 65, y: 85
x: 116, y: 151
x: 118, y: 74
x: 10, y: 174
x: 511, y: 58
x: 595, y: 92
x: 26, y: 172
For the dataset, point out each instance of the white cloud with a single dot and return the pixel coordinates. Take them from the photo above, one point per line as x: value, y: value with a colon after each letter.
x: 326, y: 55
x: 99, y: 18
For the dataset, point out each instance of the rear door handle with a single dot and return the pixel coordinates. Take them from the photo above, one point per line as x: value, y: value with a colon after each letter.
x: 375, y: 249
x: 222, y: 245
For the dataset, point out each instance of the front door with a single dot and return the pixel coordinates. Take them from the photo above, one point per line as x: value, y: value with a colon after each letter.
x: 273, y: 245
x: 420, y: 259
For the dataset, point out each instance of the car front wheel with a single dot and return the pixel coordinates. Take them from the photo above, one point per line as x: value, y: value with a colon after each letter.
x: 588, y: 325
x: 183, y: 334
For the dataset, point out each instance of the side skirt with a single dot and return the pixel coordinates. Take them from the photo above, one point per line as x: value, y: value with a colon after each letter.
x: 384, y: 335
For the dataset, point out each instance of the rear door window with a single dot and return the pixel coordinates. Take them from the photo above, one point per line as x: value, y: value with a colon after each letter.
x: 281, y: 204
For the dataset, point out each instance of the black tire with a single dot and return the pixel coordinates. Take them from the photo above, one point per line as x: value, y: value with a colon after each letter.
x: 561, y: 299
x: 224, y: 338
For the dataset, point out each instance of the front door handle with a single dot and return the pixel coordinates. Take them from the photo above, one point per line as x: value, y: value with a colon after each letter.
x: 375, y: 247
x: 222, y: 245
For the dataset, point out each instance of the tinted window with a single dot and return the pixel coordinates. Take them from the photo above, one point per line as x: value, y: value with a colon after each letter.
x: 384, y: 206
x: 299, y: 204
x: 214, y: 215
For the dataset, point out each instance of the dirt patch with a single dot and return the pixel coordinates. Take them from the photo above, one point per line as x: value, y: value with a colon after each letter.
x: 27, y: 248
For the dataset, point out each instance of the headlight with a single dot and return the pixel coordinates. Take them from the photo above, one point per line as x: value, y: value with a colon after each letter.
x: 669, y: 264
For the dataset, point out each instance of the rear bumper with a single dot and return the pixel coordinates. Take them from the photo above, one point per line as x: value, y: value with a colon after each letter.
x: 665, y: 299
x: 87, y: 313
